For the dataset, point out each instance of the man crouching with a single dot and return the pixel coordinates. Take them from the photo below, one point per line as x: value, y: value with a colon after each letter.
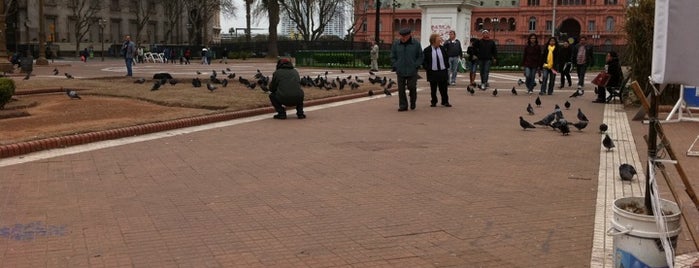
x: 286, y: 90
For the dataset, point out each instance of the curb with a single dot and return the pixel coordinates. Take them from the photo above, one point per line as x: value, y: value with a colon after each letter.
x: 26, y: 147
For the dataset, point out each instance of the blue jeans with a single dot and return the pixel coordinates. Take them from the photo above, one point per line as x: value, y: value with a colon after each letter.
x: 530, y: 76
x: 581, y: 69
x: 453, y: 68
x: 548, y: 80
x: 129, y: 62
x: 485, y: 71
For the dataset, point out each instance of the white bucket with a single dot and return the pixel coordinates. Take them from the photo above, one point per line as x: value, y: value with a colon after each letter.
x: 636, y: 236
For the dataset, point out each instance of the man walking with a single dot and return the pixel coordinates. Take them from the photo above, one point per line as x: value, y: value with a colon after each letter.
x: 487, y: 54
x: 406, y: 58
x: 129, y: 49
x: 455, y: 52
x: 582, y: 58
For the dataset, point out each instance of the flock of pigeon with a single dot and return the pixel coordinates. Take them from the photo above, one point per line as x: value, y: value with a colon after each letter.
x: 557, y: 121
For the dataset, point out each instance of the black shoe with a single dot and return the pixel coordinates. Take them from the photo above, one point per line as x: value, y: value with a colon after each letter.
x: 301, y: 116
x: 561, y: 86
x: 433, y: 105
x: 412, y: 106
x: 446, y: 105
x: 279, y: 116
x: 402, y: 109
x: 599, y: 101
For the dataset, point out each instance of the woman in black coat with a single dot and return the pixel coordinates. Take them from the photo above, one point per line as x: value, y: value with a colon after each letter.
x: 613, y: 68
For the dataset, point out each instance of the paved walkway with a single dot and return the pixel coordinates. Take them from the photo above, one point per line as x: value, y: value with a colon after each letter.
x: 357, y: 184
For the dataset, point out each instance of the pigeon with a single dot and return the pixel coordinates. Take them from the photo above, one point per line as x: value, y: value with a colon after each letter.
x: 626, y: 172
x: 577, y: 93
x: 546, y: 120
x: 524, y: 124
x: 371, y: 93
x: 224, y: 82
x: 530, y: 109
x: 567, y: 105
x: 607, y: 142
x: 231, y: 76
x: 140, y: 81
x: 537, y: 102
x: 210, y: 87
x: 55, y: 71
x: 371, y: 73
x: 198, y: 72
x: 342, y: 71
x: 223, y: 72
x: 173, y: 81
x: 581, y: 116
x: 69, y: 76
x: 72, y: 94
x: 495, y: 92
x: 520, y: 82
x: 228, y: 69
x: 470, y: 90
x: 196, y: 82
x: 387, y: 92
x: 563, y: 127
x: 603, y: 128
x: 580, y: 125
x: 514, y: 91
x: 156, y: 86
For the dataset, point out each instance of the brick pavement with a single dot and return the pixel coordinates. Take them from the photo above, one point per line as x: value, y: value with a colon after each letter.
x: 357, y: 184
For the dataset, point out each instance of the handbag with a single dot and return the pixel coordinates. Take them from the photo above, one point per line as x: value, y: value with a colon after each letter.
x: 601, y: 79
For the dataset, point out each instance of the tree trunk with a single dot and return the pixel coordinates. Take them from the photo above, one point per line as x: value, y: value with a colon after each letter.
x: 273, y: 13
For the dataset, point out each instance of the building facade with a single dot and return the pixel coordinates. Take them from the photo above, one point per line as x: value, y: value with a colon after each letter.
x: 509, y: 21
x: 110, y: 21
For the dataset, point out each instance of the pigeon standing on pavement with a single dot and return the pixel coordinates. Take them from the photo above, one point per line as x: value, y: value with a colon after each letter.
x: 607, y: 142
x: 69, y: 76
x: 386, y: 92
x: 524, y: 124
x: 537, y: 102
x: 581, y: 116
x: 603, y: 128
x: 626, y: 172
x: 495, y: 92
x: 580, y: 125
x: 156, y: 86
x: 210, y: 87
x: 371, y: 93
x: 470, y: 90
x: 140, y: 80
x: 55, y: 71
x: 567, y: 105
x: 514, y: 91
x: 72, y: 94
x: 530, y: 109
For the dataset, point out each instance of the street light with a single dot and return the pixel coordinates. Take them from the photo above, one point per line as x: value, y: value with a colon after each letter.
x: 102, y: 23
x: 393, y: 18
x: 496, y: 25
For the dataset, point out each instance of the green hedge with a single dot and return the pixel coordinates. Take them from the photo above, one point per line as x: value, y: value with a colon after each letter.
x: 7, y: 89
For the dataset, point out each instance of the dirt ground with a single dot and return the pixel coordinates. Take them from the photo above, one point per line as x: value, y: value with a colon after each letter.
x: 52, y: 115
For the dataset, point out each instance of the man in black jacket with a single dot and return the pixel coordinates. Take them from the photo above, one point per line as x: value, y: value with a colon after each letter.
x: 286, y: 90
x: 487, y: 54
x: 582, y: 58
x: 455, y: 52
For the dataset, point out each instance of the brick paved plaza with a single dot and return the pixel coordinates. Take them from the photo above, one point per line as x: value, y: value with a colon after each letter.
x: 356, y: 184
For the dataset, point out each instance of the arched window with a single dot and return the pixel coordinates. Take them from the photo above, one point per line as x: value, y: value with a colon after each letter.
x: 532, y: 24
x: 479, y: 25
x: 609, y: 24
x: 511, y: 24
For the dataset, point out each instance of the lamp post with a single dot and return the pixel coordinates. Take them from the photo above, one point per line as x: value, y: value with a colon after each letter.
x: 102, y: 23
x: 393, y: 18
x: 496, y: 25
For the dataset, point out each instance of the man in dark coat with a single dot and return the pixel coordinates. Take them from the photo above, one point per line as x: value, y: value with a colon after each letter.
x: 286, y: 90
x: 436, y: 65
x: 487, y: 54
x: 406, y: 58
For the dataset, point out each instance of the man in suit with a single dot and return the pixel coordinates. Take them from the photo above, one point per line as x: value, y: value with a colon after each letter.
x: 436, y: 65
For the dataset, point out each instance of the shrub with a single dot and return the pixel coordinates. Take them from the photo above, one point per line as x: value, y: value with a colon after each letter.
x: 7, y: 89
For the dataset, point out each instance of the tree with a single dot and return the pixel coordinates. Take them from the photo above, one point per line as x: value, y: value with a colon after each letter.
x: 311, y: 16
x: 199, y: 15
x: 640, y: 21
x: 144, y: 9
x: 83, y: 14
x: 271, y: 7
x: 173, y: 12
x: 248, y: 7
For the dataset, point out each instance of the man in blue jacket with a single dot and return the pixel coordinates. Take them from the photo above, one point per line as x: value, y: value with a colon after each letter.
x: 406, y: 58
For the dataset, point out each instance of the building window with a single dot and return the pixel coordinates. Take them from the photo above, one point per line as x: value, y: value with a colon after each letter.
x: 591, y: 26
x: 514, y: 3
x: 609, y: 25
x: 571, y: 2
x: 114, y: 5
x: 479, y: 24
x: 497, y: 3
x: 532, y: 24
x: 364, y: 26
x: 533, y: 2
x: 610, y: 2
x: 511, y: 24
x: 549, y: 25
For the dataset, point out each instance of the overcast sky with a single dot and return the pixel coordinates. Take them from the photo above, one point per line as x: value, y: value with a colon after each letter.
x: 239, y: 21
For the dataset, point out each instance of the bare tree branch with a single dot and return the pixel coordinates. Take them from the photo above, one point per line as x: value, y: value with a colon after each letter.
x: 83, y: 12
